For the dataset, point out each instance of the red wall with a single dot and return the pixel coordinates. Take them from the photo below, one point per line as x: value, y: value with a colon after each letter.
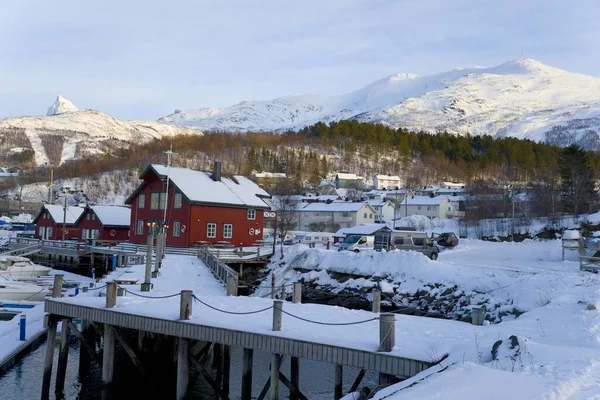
x: 120, y: 233
x: 72, y: 232
x: 201, y: 215
x: 146, y: 214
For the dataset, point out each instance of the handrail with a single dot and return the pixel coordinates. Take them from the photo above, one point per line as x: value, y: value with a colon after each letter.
x: 219, y: 269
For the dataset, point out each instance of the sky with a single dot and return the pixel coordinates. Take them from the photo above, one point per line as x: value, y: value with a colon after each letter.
x: 138, y: 59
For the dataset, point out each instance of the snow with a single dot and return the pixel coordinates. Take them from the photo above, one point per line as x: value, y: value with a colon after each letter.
x: 571, y: 235
x: 113, y: 215
x: 58, y: 213
x: 336, y: 206
x: 60, y: 106
x: 423, y: 200
x: 521, y: 98
x: 198, y: 186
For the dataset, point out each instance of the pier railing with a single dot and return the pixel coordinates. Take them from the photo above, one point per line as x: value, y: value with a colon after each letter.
x: 219, y: 269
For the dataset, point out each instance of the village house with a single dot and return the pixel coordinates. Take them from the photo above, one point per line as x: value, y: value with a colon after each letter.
x: 345, y: 180
x: 108, y: 223
x: 200, y: 207
x: 331, y: 216
x: 268, y: 179
x: 432, y: 207
x: 49, y: 222
x: 384, y: 209
x: 381, y: 181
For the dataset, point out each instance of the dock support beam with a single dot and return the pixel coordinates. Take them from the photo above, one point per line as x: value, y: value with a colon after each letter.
x: 376, y: 301
x: 247, y: 374
x: 226, y: 368
x: 337, y: 379
x: 148, y: 273
x: 63, y: 356
x: 275, y: 365
x: 183, y: 368
x: 387, y: 341
x: 52, y: 322
x: 295, y: 375
x: 108, y: 361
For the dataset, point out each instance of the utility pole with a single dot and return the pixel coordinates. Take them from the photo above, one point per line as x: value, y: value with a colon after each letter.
x: 50, y: 188
x: 64, y: 229
x: 169, y: 154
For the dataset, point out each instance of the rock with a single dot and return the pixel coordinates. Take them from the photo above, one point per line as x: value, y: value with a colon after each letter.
x: 591, y: 307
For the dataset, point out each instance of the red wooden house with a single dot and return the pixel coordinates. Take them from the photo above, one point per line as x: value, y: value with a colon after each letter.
x: 49, y: 222
x: 200, y: 206
x: 105, y: 223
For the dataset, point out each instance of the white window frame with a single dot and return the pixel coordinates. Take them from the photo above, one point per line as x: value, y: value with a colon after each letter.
x: 176, y: 228
x: 88, y: 216
x: 139, y: 224
x: 226, y: 228
x: 211, y: 230
x: 177, y: 200
x: 95, y: 233
x: 141, y: 203
x: 251, y: 214
x: 93, y: 217
x: 49, y: 233
x: 84, y: 234
x: 155, y: 201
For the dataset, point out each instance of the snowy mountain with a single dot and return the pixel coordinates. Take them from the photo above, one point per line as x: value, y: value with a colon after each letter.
x: 67, y: 132
x: 523, y: 98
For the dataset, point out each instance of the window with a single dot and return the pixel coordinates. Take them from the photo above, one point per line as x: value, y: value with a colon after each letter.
x: 95, y: 234
x: 428, y: 208
x: 176, y: 228
x: 84, y: 234
x: 154, y: 197
x: 142, y: 201
x: 49, y: 232
x: 418, y: 207
x: 370, y: 216
x: 449, y: 208
x: 139, y: 227
x: 251, y: 213
x: 365, y: 215
x: 41, y: 232
x: 418, y: 241
x: 177, y: 200
x: 87, y: 217
x: 227, y: 231
x: 345, y: 214
x: 93, y: 217
x: 398, y: 241
x: 211, y: 230
x: 162, y: 201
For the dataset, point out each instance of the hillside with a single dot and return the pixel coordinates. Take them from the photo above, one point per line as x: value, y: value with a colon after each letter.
x: 522, y: 99
x: 67, y: 133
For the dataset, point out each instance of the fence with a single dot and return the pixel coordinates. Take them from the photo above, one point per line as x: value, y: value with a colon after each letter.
x: 219, y: 269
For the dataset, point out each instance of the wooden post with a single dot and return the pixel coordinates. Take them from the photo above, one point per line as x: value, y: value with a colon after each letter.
x: 185, y: 305
x: 63, y: 356
x: 277, y: 311
x: 338, y: 392
x: 52, y: 322
x: 247, y: 374
x: 183, y: 368
x: 275, y: 365
x: 273, y: 285
x: 297, y: 292
x: 226, y: 369
x: 376, y: 301
x: 232, y: 285
x: 148, y: 275
x: 283, y: 292
x: 387, y: 332
x: 57, y: 287
x: 295, y: 375
x: 108, y: 360
x: 477, y: 315
x: 111, y: 294
x: 84, y: 356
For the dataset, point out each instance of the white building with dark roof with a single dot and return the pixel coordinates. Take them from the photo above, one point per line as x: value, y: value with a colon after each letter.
x: 432, y: 207
x: 334, y: 215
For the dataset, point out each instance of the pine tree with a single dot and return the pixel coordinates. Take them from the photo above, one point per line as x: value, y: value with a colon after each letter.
x: 577, y: 183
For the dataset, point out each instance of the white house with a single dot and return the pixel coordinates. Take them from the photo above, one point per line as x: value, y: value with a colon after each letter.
x: 345, y: 180
x: 386, y: 182
x: 384, y: 209
x: 432, y: 207
x: 334, y: 215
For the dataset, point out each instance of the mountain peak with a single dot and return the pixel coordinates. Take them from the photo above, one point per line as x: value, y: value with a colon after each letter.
x: 60, y: 106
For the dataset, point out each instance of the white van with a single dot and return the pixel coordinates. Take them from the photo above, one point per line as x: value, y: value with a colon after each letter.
x: 358, y: 243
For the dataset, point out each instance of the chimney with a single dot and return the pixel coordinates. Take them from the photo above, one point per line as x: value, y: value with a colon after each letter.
x: 217, y: 171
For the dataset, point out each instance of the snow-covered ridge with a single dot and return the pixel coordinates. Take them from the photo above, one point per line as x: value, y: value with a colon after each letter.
x: 522, y: 98
x: 84, y: 132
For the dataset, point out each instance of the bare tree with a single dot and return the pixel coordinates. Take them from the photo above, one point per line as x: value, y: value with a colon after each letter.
x: 286, y: 206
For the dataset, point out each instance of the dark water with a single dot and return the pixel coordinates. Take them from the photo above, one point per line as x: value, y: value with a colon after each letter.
x: 24, y: 380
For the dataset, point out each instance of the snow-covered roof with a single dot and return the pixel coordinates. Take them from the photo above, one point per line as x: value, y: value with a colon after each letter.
x: 378, y: 202
x: 279, y: 175
x: 326, y: 182
x: 113, y: 215
x: 199, y: 187
x: 57, y: 213
x: 364, y: 229
x: 387, y: 177
x: 344, y: 175
x: 336, y: 206
x: 453, y: 185
x: 321, y: 197
x: 423, y: 200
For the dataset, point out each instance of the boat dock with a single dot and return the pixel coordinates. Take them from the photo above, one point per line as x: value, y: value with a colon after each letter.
x: 196, y: 315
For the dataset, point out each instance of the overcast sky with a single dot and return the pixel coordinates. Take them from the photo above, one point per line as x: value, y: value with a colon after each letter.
x: 138, y: 59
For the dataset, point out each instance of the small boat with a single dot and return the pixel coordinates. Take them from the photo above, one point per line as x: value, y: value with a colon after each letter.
x: 19, y: 291
x: 16, y: 267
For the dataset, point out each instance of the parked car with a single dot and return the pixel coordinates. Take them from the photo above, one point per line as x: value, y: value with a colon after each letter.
x: 358, y: 243
x: 447, y: 239
x: 413, y: 240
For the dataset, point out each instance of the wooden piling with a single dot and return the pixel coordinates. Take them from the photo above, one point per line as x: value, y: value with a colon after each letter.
x: 57, y: 287
x: 111, y: 294
x: 277, y: 314
x: 297, y: 292
x: 232, y: 285
x: 108, y: 360
x: 84, y: 356
x: 183, y: 368
x: 52, y: 322
x: 275, y: 365
x: 63, y: 356
x: 338, y: 392
x: 387, y: 341
x: 185, y: 304
x: 148, y: 273
x: 273, y: 285
x: 295, y: 376
x: 226, y: 369
x: 247, y: 374
x: 376, y: 301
